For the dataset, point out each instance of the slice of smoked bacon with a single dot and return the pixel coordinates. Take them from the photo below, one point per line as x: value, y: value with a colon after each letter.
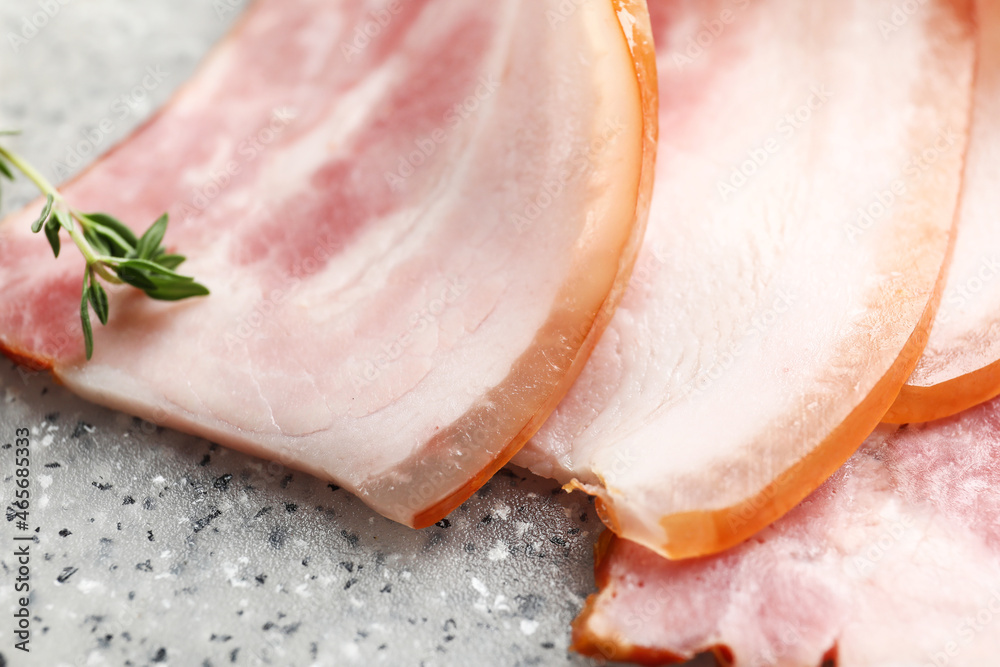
x: 894, y: 561
x: 805, y: 195
x: 412, y: 244
x: 961, y: 364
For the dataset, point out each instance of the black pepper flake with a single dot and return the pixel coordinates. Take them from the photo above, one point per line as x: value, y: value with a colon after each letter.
x: 333, y: 487
x: 291, y: 508
x: 347, y: 565
x: 350, y: 582
x: 443, y: 523
x: 386, y: 589
x: 102, y: 487
x: 65, y: 532
x: 548, y: 645
x: 350, y: 537
x: 286, y: 481
x: 205, y: 460
x: 66, y: 574
x: 555, y: 539
x: 262, y: 512
x: 149, y: 536
x: 470, y: 547
x: 52, y: 417
x: 161, y: 655
x: 222, y: 483
x: 128, y: 500
x: 487, y: 518
x: 261, y: 578
x: 202, y: 524
x: 145, y: 566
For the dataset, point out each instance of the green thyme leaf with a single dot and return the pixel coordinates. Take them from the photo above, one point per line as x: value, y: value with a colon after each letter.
x: 151, y: 240
x: 36, y: 226
x: 170, y: 261
x: 135, y: 278
x: 177, y: 291
x: 96, y: 241
x: 115, y: 225
x: 99, y: 300
x: 88, y: 332
x: 52, y: 234
x: 64, y: 219
x: 110, y: 248
x: 152, y: 268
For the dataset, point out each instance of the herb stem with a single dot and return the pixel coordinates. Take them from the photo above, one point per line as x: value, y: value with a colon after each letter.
x: 33, y: 175
x: 94, y: 261
x: 110, y: 249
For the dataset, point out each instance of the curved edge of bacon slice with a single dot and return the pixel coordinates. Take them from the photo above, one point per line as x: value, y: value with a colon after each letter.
x: 960, y: 367
x: 892, y: 562
x: 335, y: 378
x: 637, y: 32
x: 775, y: 325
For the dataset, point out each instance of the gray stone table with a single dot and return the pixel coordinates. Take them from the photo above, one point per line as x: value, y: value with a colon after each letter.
x: 158, y: 548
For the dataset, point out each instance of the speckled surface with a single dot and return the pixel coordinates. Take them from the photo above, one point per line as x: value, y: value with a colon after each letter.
x: 158, y: 548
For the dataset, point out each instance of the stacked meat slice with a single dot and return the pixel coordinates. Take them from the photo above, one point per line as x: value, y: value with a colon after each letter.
x: 894, y: 560
x: 412, y: 247
x: 415, y: 242
x: 809, y: 170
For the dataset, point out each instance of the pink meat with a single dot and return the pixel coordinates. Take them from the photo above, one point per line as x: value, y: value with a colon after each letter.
x: 772, y: 321
x: 415, y: 219
x: 894, y: 561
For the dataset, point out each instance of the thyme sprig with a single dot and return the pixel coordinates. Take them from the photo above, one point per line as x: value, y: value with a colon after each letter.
x: 112, y: 251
